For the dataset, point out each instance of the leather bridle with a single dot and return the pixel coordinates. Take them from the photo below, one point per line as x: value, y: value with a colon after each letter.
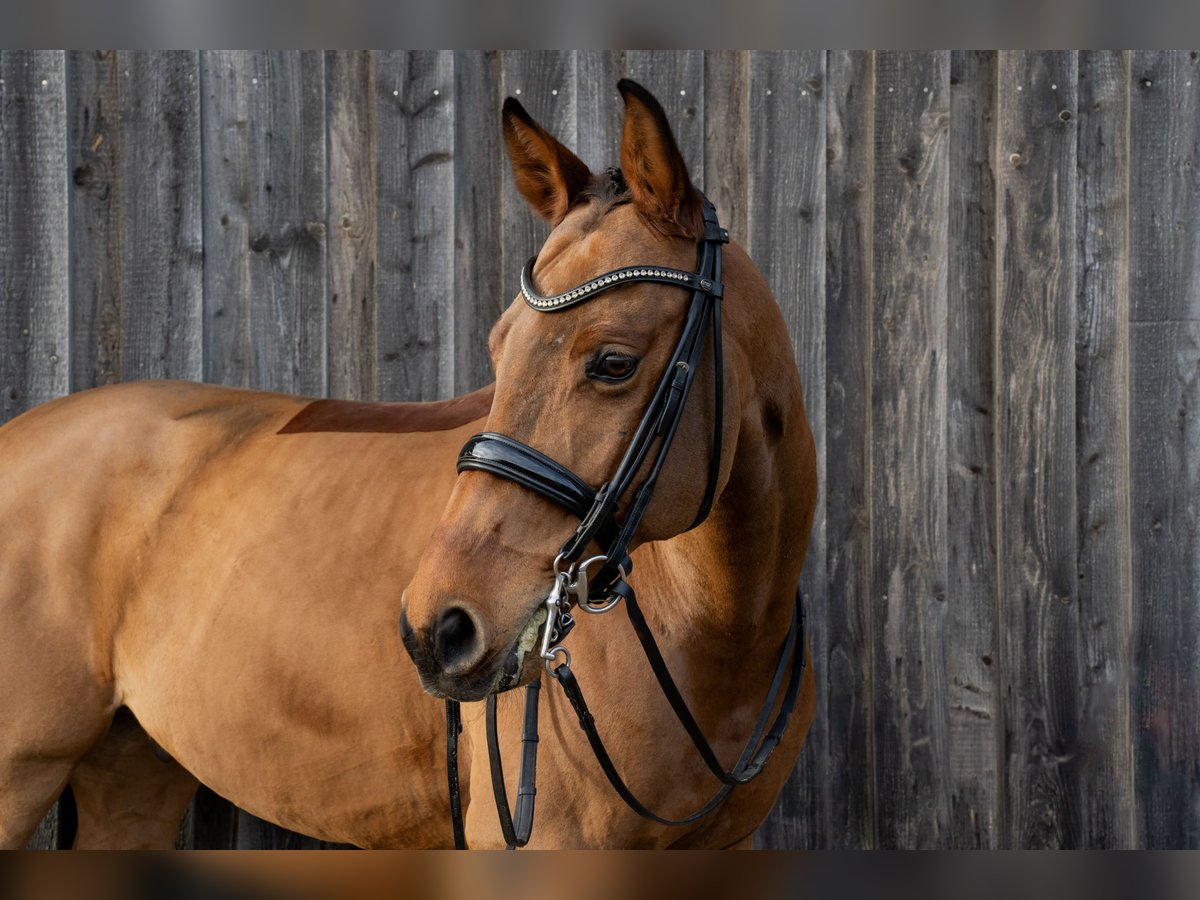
x: 576, y: 586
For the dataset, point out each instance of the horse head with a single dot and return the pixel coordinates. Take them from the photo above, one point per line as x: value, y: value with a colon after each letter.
x: 574, y: 381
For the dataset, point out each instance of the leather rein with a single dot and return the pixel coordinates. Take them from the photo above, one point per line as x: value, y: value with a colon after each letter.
x: 576, y: 586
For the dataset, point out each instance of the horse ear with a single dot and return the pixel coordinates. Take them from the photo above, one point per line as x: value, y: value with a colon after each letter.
x: 654, y: 168
x: 548, y: 175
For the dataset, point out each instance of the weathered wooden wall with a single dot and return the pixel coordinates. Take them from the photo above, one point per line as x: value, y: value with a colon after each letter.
x: 990, y: 264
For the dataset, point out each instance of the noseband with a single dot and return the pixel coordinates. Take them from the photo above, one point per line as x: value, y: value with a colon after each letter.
x: 577, y: 586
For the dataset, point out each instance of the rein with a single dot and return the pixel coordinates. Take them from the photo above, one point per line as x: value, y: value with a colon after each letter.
x: 575, y: 587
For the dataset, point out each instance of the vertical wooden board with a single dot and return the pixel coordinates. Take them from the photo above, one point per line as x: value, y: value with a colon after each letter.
x: 1165, y: 217
x: 162, y: 278
x: 676, y: 78
x: 1035, y: 448
x: 264, y: 212
x: 34, y: 311
x: 94, y: 142
x: 599, y: 111
x: 908, y: 448
x: 1102, y: 450
x: 544, y: 82
x: 1165, y: 428
x: 1164, y: 398
x: 351, y: 334
x: 480, y: 293
x: 786, y: 226
x: 726, y: 136
x: 971, y: 657
x: 213, y: 823
x: 838, y: 761
x: 415, y: 276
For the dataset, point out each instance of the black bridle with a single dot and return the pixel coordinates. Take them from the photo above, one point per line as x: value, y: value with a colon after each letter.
x: 577, y: 587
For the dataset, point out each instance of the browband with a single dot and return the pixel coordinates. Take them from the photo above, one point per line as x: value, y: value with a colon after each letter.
x: 609, y: 280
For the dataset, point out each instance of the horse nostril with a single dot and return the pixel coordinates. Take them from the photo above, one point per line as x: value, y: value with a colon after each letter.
x: 456, y: 640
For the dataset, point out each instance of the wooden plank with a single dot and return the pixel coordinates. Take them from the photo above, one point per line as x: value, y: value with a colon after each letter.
x: 908, y: 448
x: 599, y: 110
x: 351, y: 335
x: 415, y: 227
x: 971, y: 656
x: 35, y: 315
x: 676, y: 78
x: 786, y: 227
x: 1102, y: 446
x: 162, y: 279
x: 1035, y: 448
x: 544, y: 82
x: 726, y: 136
x: 264, y: 209
x: 1165, y: 432
x: 480, y: 293
x: 94, y: 142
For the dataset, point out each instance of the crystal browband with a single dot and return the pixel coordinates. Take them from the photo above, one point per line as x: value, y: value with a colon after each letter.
x: 609, y: 280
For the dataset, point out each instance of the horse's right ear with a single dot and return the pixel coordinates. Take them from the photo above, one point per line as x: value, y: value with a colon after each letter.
x: 548, y: 175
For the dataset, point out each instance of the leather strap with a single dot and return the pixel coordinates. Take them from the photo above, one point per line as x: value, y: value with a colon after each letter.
x: 516, y: 834
x: 453, y: 729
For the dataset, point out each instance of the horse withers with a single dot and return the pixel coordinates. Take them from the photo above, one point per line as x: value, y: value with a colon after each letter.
x: 203, y: 584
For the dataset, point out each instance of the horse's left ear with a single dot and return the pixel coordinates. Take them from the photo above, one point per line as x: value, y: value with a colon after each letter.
x: 549, y: 176
x: 654, y: 168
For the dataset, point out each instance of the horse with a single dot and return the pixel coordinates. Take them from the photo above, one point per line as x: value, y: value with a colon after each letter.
x: 268, y: 594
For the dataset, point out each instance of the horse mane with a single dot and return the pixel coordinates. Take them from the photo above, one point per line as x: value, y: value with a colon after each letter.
x: 609, y: 190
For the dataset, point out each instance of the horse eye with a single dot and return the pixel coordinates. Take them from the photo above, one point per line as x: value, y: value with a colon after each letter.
x: 612, y: 367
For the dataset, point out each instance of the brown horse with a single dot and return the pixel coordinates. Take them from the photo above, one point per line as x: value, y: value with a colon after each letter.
x: 204, y: 584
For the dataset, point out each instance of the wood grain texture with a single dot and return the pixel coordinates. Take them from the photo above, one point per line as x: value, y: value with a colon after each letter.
x: 34, y: 318
x: 162, y: 278
x: 1102, y: 451
x: 727, y: 136
x: 1035, y: 449
x: 415, y: 227
x: 676, y: 78
x: 351, y: 334
x: 599, y: 110
x: 786, y: 226
x: 264, y: 211
x: 838, y: 760
x: 544, y: 82
x: 971, y: 656
x: 94, y: 143
x: 480, y: 293
x: 1165, y: 432
x: 908, y: 447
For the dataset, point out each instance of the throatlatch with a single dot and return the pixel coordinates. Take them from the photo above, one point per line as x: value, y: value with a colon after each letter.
x: 577, y: 587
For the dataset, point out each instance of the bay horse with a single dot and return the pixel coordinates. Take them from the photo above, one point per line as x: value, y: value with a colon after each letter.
x: 206, y: 584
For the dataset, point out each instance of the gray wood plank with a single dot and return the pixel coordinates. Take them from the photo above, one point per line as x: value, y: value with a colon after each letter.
x: 351, y: 231
x: 599, y: 110
x: 971, y: 656
x: 1165, y: 432
x: 1035, y: 448
x: 1164, y: 394
x: 786, y: 228
x: 162, y: 279
x: 1165, y: 120
x: 1102, y: 447
x: 908, y: 447
x: 264, y: 210
x: 726, y: 136
x: 480, y: 293
x: 35, y: 315
x: 544, y: 82
x: 415, y: 227
x: 676, y: 78
x: 94, y: 144
x: 34, y: 284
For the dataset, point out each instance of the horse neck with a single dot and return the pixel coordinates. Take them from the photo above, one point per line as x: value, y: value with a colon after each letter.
x: 738, y: 571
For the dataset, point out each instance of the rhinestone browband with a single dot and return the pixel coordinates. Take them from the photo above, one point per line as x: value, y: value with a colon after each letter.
x: 605, y: 282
